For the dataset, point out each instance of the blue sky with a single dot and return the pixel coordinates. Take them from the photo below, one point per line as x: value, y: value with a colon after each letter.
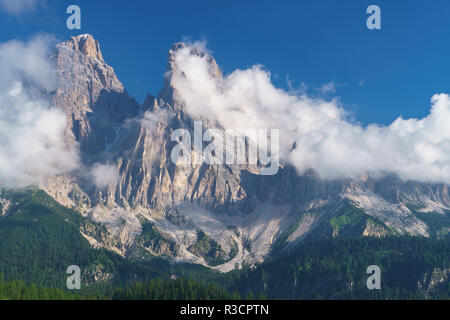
x: 379, y: 74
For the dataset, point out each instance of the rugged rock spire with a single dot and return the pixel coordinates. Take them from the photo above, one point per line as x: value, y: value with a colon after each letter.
x: 87, y: 45
x: 90, y: 93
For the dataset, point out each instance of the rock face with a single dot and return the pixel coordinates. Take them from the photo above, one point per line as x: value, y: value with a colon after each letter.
x: 221, y: 215
x: 94, y: 100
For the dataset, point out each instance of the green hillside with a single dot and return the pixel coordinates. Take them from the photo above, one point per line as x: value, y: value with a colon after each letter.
x: 39, y: 239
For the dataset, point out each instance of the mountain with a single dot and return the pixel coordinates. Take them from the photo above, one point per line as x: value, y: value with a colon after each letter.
x: 220, y: 216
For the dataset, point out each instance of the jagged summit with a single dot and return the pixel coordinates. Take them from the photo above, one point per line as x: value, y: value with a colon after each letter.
x: 87, y: 45
x: 90, y: 93
x: 82, y: 55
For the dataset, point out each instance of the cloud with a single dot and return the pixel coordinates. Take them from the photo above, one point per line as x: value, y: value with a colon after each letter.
x: 32, y: 146
x: 152, y: 119
x: 324, y: 137
x: 17, y: 6
x: 329, y: 87
x: 104, y: 174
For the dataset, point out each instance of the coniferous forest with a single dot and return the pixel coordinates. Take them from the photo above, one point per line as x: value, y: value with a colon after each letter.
x: 412, y: 268
x: 42, y: 238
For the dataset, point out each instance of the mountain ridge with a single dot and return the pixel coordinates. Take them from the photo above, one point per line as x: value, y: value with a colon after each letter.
x: 242, y: 213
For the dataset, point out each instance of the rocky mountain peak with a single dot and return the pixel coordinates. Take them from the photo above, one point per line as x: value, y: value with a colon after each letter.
x: 80, y: 60
x: 87, y: 45
x: 90, y: 93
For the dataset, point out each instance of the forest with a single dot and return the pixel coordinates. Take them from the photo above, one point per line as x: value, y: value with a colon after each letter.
x: 42, y: 238
x: 412, y: 268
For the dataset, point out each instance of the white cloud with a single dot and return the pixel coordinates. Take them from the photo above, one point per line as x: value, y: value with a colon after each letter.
x: 326, y: 141
x: 151, y: 119
x: 329, y: 87
x: 17, y: 6
x: 104, y: 174
x: 32, y: 147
